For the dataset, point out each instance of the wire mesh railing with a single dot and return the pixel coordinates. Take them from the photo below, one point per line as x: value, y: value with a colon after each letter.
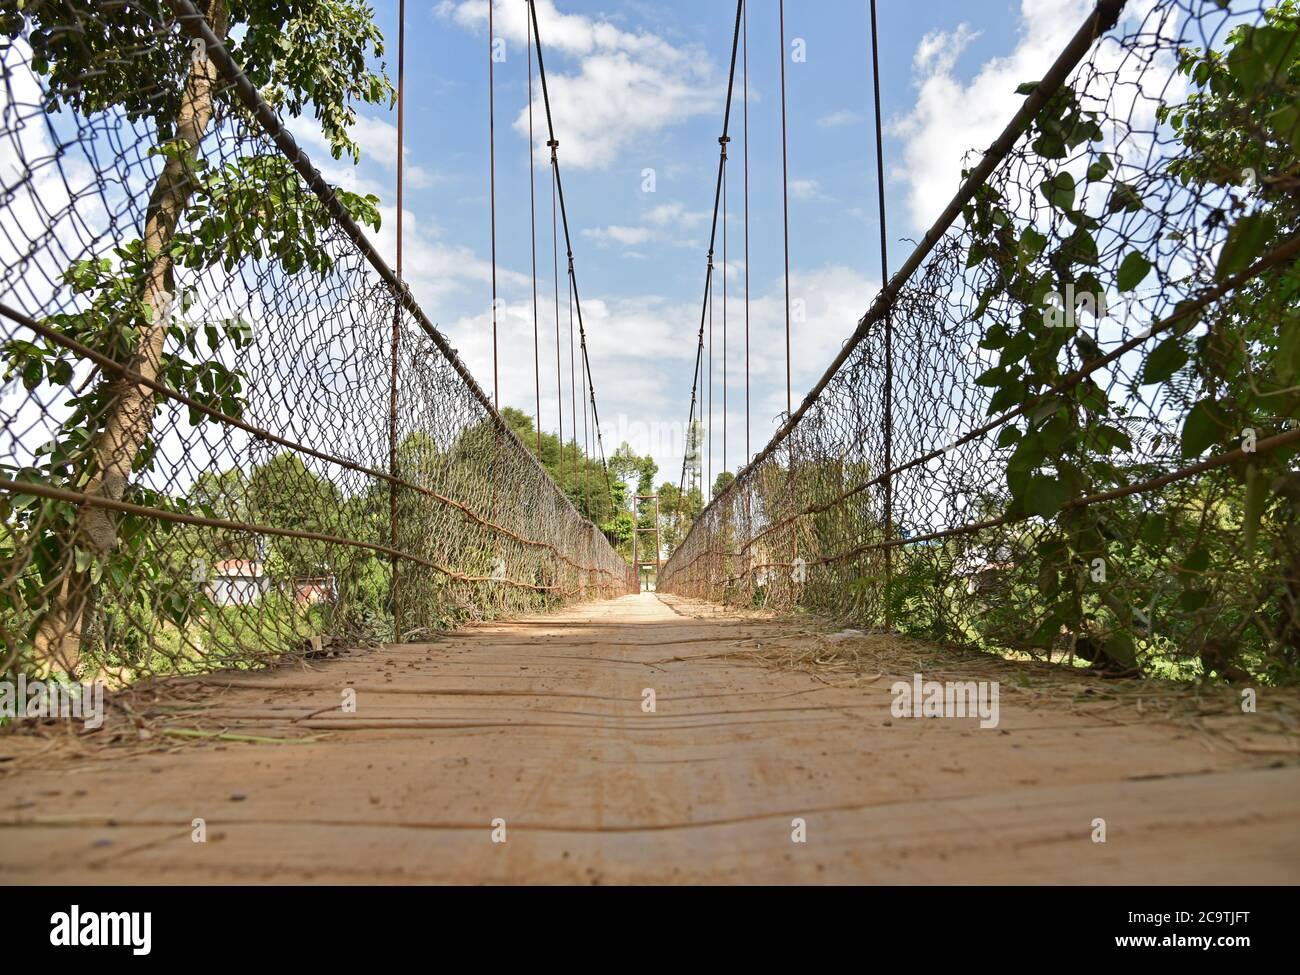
x: 230, y: 435
x: 1088, y: 446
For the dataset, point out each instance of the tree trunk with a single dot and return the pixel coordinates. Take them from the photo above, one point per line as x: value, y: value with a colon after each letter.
x: 129, y: 416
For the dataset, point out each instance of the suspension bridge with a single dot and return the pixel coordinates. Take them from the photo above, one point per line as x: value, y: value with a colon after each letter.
x: 1000, y: 599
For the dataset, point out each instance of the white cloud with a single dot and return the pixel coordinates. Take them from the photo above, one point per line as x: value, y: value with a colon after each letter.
x: 634, y: 345
x: 806, y: 189
x: 435, y: 269
x: 939, y: 50
x: 573, y: 34
x: 949, y: 118
x: 615, y: 234
x: 378, y: 141
x: 952, y: 118
x: 675, y: 214
x: 628, y: 85
x: 835, y: 120
x: 657, y: 224
x: 641, y: 349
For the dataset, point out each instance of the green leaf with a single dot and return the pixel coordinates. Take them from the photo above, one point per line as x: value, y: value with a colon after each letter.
x: 1092, y: 397
x: 1155, y: 530
x: 1256, y: 499
x: 1125, y: 197
x: 1007, y: 396
x: 1043, y: 411
x: 1099, y: 169
x: 1044, y: 496
x: 1032, y: 242
x: 1109, y: 438
x: 1204, y: 426
x: 1027, y: 455
x: 1286, y: 122
x: 1087, y: 346
x: 1050, y: 146
x: 1287, y: 365
x: 1165, y: 360
x: 1132, y: 271
x: 32, y: 374
x: 1246, y: 241
x: 1119, y: 647
x: 994, y: 337
x: 1081, y: 248
x: 1049, y: 629
x: 1059, y: 190
x: 1197, y: 561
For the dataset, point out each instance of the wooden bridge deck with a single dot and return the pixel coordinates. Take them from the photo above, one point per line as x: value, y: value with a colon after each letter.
x: 539, y: 724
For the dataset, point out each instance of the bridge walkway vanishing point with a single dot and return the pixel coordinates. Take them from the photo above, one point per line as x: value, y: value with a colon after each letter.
x: 539, y: 723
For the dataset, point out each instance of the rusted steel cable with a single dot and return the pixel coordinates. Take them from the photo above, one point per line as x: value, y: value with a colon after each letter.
x: 785, y: 208
x: 395, y: 595
x: 697, y: 390
x: 745, y: 108
x: 492, y: 198
x: 112, y: 366
x: 888, y: 404
x: 568, y: 241
x: 532, y: 238
x: 555, y: 271
x: 1129, y: 482
x: 327, y: 447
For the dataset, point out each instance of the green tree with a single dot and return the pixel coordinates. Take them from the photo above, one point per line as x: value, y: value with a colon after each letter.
x: 677, y: 512
x: 582, y: 478
x: 285, y: 493
x: 1238, y: 124
x: 302, y: 55
x: 630, y: 475
x: 1241, y: 123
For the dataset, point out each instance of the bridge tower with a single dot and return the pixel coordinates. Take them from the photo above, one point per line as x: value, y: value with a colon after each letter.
x: 694, y: 438
x: 652, y: 529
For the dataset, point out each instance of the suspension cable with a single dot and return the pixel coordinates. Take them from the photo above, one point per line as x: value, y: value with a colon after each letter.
x: 745, y: 107
x: 568, y: 241
x: 698, y: 372
x: 573, y: 387
x: 889, y: 326
x: 395, y: 366
x: 492, y: 192
x: 532, y: 229
x: 785, y: 214
x: 555, y: 269
x: 723, y: 142
x: 577, y: 467
x: 708, y: 430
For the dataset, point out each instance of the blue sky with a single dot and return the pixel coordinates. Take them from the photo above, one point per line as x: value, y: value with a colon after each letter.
x: 639, y: 86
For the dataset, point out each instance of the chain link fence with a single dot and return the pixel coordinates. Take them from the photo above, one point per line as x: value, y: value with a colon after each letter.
x: 1068, y: 426
x: 230, y: 435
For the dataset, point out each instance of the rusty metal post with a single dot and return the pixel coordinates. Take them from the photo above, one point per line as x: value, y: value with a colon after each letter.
x: 637, y: 560
x: 658, y: 547
x: 889, y: 332
x: 395, y: 585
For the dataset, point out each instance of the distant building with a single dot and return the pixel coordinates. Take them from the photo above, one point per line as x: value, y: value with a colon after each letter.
x: 238, y: 582
x: 311, y: 590
x: 984, y: 574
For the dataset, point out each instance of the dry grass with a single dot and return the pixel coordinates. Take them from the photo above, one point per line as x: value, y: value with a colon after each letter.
x: 823, y: 649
